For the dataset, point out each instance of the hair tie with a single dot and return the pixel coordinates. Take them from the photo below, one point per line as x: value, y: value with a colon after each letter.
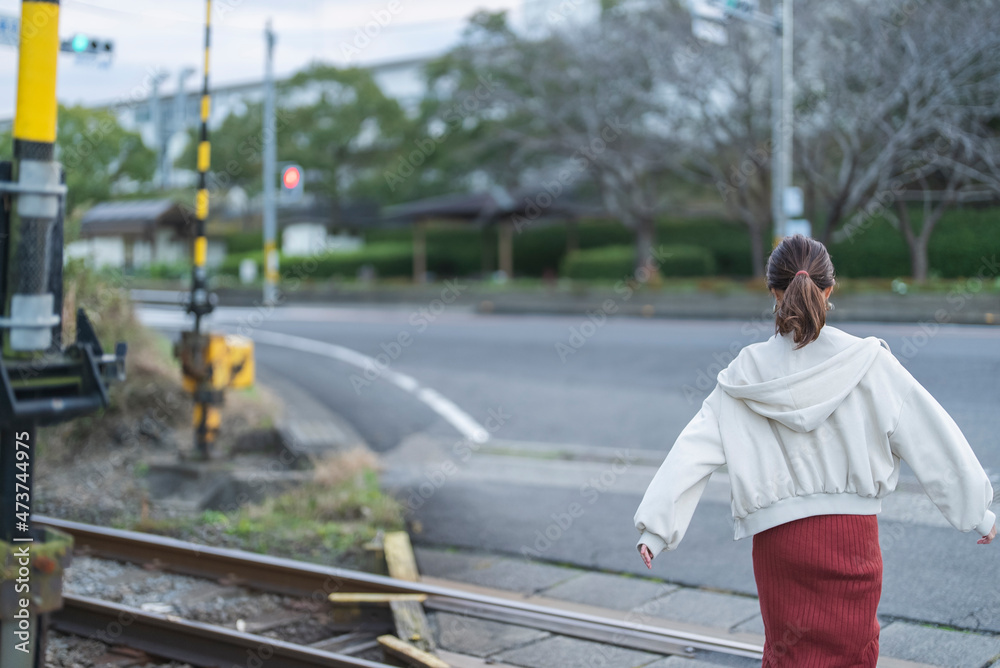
x: 802, y: 271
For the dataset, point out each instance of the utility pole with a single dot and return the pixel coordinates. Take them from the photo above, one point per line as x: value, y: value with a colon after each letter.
x: 270, y: 175
x: 180, y: 100
x: 158, y: 133
x: 778, y: 127
x: 787, y: 119
x: 709, y: 16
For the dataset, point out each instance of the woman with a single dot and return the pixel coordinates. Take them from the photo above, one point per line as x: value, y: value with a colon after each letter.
x: 812, y: 424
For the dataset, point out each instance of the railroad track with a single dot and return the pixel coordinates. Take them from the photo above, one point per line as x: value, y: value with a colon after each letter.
x: 200, y: 644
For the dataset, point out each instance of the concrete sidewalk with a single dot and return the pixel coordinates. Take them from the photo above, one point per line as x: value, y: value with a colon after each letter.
x: 470, y: 499
x: 904, y: 644
x: 723, y: 612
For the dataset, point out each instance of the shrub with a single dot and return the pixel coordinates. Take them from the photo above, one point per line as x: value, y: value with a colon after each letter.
x: 239, y: 243
x: 617, y: 262
x: 390, y: 260
x: 680, y: 260
x: 608, y: 263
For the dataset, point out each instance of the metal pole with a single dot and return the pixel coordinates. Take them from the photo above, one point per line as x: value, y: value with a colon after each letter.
x: 180, y: 100
x: 205, y: 414
x: 158, y: 129
x: 777, y: 112
x: 787, y: 97
x: 270, y: 175
x: 32, y: 303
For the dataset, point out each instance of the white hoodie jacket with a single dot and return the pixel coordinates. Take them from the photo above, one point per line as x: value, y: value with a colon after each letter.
x: 815, y: 431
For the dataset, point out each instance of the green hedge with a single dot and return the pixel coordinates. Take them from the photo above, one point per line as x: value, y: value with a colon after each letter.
x: 682, y: 261
x: 164, y: 271
x: 238, y: 243
x: 957, y: 247
x: 618, y: 262
x: 960, y: 241
x: 608, y: 263
x: 390, y: 260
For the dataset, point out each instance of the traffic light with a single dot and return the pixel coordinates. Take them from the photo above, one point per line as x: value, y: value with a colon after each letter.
x: 291, y: 181
x: 82, y: 43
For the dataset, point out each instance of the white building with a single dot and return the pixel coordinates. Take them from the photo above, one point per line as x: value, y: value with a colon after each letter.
x: 138, y: 233
x: 402, y: 80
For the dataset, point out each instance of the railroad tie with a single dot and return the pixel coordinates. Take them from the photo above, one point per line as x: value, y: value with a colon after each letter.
x: 411, y: 623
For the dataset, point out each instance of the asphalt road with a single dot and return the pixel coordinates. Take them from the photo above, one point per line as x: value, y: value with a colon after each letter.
x: 611, y: 384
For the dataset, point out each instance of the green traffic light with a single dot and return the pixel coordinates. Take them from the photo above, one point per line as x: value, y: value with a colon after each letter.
x: 80, y: 43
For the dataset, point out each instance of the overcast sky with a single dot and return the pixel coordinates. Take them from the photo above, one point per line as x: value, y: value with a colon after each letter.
x: 168, y: 34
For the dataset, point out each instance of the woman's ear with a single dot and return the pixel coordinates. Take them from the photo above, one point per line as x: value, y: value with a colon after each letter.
x: 828, y: 292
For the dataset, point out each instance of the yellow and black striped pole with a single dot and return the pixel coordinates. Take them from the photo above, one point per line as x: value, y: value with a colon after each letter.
x: 35, y: 119
x: 38, y: 174
x: 200, y: 304
x: 206, y: 411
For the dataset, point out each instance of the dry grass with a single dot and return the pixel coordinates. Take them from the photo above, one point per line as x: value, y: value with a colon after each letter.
x: 341, y: 467
x: 344, y: 488
x: 150, y: 408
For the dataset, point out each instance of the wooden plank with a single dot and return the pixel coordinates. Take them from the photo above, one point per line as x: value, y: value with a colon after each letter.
x: 409, y: 654
x: 399, y: 556
x: 350, y: 597
x: 411, y: 623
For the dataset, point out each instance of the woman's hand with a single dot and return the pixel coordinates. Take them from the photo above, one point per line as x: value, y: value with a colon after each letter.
x: 985, y: 540
x: 647, y: 556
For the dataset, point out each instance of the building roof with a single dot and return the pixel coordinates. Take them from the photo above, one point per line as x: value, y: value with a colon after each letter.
x: 136, y: 217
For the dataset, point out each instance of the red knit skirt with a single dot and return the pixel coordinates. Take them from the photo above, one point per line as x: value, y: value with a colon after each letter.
x: 819, y: 580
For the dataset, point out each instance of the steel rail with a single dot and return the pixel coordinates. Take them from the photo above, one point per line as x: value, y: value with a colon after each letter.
x: 170, y: 637
x: 286, y: 576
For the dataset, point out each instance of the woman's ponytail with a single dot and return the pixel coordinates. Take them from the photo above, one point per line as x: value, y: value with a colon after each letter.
x: 801, y: 268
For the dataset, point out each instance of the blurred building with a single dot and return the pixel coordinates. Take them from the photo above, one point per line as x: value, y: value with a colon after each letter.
x: 138, y: 233
x: 178, y: 111
x: 542, y: 16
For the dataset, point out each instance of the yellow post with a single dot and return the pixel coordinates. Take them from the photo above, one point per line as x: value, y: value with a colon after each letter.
x: 38, y: 210
x: 35, y: 119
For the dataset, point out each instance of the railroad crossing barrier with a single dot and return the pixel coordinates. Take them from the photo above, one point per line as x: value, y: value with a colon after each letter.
x: 41, y: 381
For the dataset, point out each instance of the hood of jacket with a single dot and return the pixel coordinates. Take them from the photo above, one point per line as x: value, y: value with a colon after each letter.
x: 804, y: 399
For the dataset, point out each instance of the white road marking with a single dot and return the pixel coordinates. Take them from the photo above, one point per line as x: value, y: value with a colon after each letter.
x: 464, y: 423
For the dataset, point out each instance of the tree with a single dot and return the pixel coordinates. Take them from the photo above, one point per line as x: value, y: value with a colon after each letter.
x: 336, y: 123
x: 347, y: 137
x: 98, y: 155
x: 725, y: 93
x: 580, y: 105
x: 911, y: 118
x: 237, y: 150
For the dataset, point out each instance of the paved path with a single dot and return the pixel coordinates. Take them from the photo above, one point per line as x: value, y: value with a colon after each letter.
x: 628, y: 384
